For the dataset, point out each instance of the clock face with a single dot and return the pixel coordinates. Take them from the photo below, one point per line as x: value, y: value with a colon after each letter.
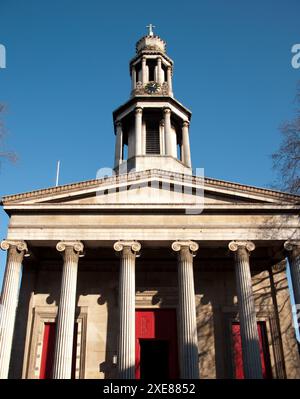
x: 152, y: 87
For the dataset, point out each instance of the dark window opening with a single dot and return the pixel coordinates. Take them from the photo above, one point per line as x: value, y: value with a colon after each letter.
x: 164, y: 68
x: 152, y: 138
x: 154, y: 359
x: 151, y: 65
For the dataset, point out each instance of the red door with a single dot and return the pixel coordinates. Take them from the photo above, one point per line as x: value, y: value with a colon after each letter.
x: 49, y: 348
x: 264, y: 350
x: 159, y: 329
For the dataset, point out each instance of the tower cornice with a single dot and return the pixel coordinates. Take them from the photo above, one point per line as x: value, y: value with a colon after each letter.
x: 156, y: 99
x: 150, y: 52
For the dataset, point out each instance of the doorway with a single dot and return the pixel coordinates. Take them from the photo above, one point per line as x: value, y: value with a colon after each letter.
x: 263, y: 347
x: 154, y: 359
x: 156, y: 344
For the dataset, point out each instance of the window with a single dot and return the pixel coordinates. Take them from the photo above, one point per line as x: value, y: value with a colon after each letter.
x: 151, y: 65
x: 152, y: 138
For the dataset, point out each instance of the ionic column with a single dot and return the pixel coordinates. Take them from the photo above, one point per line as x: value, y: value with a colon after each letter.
x: 126, y: 346
x: 144, y: 71
x: 62, y: 367
x: 119, y: 144
x: 133, y: 77
x: 9, y: 299
x: 187, y: 324
x: 186, y: 144
x: 248, y: 323
x: 293, y: 249
x: 168, y: 131
x: 138, y: 130
x: 169, y: 80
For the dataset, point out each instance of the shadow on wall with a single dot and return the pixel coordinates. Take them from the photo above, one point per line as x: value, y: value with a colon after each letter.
x: 216, y: 310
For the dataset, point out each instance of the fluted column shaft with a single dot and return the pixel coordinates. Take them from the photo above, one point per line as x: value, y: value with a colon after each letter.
x: 119, y: 145
x: 187, y: 324
x: 126, y: 345
x: 186, y: 144
x: 168, y: 132
x: 293, y: 250
x: 62, y: 367
x: 9, y: 300
x: 138, y: 130
x: 248, y: 323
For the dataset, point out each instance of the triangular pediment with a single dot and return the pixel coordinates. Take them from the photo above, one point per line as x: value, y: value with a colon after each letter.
x: 150, y: 188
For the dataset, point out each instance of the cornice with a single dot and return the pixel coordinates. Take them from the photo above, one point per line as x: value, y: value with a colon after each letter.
x: 153, y: 173
x: 151, y: 98
x: 151, y: 52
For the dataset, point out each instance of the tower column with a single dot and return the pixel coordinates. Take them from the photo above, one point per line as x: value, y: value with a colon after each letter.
x: 126, y: 346
x: 293, y: 249
x: 138, y: 130
x: 62, y: 366
x: 168, y: 131
x: 159, y: 71
x: 186, y: 144
x: 169, y: 80
x: 9, y: 299
x: 133, y: 77
x: 248, y: 323
x: 144, y: 71
x: 119, y: 144
x: 187, y: 324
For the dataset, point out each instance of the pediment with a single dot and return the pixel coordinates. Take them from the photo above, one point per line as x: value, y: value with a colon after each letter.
x: 150, y: 188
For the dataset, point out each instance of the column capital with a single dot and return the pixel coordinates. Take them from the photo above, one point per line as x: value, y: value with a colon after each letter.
x: 167, y: 110
x: 192, y: 246
x: 236, y: 245
x: 133, y: 246
x: 76, y: 246
x: 21, y: 246
x: 292, y: 245
x: 185, y: 124
x: 118, y: 124
x: 138, y: 110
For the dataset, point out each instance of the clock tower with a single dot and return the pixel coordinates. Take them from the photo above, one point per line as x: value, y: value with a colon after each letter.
x: 152, y: 127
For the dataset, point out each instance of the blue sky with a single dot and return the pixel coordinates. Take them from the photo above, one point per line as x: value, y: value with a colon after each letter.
x: 67, y: 69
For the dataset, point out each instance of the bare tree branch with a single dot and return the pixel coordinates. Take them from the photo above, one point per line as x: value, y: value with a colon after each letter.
x: 286, y: 160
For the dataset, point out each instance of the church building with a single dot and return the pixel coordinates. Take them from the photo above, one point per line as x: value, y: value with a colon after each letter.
x: 152, y: 271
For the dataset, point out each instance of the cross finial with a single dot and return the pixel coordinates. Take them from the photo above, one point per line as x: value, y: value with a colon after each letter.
x: 150, y: 27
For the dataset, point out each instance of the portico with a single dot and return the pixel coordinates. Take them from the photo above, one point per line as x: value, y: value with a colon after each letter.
x: 175, y: 277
